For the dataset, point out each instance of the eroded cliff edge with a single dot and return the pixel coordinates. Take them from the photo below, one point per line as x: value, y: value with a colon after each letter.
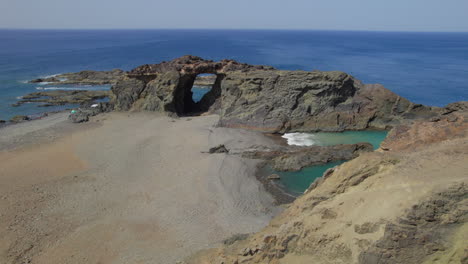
x: 405, y: 203
x: 266, y: 99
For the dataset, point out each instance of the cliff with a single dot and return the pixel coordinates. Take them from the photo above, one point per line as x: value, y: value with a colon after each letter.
x: 265, y: 99
x: 405, y: 204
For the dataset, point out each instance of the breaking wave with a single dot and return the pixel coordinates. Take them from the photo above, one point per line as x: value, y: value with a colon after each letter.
x: 300, y: 139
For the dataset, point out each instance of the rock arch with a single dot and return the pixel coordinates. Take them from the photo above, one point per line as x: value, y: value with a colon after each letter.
x: 167, y: 86
x: 265, y: 99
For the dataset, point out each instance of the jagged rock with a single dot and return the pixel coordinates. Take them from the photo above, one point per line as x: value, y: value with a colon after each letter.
x: 83, y: 114
x: 218, y: 149
x: 2, y: 121
x: 273, y: 177
x: 62, y: 97
x: 266, y: 99
x: 420, y: 134
x: 293, y: 158
x: 50, y: 79
x: 407, y: 205
x: 84, y: 78
x: 19, y: 118
x: 79, y: 116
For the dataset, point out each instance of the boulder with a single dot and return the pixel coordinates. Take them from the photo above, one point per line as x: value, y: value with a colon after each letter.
x: 218, y: 149
x: 273, y: 177
x: 83, y: 114
x: 19, y: 118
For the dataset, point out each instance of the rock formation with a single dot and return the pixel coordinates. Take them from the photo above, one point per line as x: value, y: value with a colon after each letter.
x: 405, y: 204
x: 294, y: 158
x: 84, y: 78
x: 266, y: 99
x: 62, y: 97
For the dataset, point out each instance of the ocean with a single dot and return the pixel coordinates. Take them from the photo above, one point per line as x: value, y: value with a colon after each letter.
x: 427, y: 68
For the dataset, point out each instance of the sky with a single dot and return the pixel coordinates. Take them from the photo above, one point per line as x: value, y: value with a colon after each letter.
x: 380, y: 15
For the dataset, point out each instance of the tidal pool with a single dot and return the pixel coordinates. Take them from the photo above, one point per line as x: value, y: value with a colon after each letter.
x: 297, y: 182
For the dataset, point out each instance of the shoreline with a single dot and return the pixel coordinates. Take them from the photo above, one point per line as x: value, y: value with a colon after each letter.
x: 281, y: 195
x: 167, y: 199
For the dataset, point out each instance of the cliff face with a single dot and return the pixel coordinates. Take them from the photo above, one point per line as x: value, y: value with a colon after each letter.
x: 265, y: 99
x: 406, y: 204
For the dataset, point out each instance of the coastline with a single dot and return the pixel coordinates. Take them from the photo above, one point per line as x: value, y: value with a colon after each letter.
x: 129, y: 172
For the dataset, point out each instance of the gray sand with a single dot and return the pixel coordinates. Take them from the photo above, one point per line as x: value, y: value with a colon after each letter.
x: 125, y: 188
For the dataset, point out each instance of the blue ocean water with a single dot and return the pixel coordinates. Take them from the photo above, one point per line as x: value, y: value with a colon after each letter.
x: 428, y: 68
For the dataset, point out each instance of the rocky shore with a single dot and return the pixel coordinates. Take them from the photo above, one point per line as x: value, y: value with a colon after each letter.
x: 62, y: 97
x: 83, y: 78
x: 164, y: 163
x: 405, y: 203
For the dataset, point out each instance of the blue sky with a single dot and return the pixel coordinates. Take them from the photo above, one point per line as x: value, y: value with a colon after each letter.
x: 389, y: 15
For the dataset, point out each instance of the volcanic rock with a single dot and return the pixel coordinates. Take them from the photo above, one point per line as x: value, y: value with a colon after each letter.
x: 84, y: 78
x: 19, y: 118
x: 62, y: 97
x: 266, y: 99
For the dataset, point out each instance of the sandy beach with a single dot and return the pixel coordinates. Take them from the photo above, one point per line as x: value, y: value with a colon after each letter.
x: 125, y: 188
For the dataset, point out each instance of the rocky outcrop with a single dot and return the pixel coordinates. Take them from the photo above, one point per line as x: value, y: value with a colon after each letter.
x: 400, y: 205
x: 450, y: 125
x: 84, y: 78
x: 83, y: 114
x: 266, y: 99
x: 294, y: 158
x: 166, y: 87
x: 62, y: 97
x: 19, y: 118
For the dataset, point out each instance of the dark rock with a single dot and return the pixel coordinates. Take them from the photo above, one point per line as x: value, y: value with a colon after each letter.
x: 2, y: 121
x: 84, y: 78
x: 293, y: 158
x: 62, y: 97
x: 50, y: 79
x: 83, y: 114
x: 265, y: 99
x: 218, y: 149
x: 19, y: 118
x: 79, y: 116
x: 273, y: 177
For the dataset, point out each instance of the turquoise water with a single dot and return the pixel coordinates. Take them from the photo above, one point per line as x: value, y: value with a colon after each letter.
x: 296, y: 182
x: 329, y: 139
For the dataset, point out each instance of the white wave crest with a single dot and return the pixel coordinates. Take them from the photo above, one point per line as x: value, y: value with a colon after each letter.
x: 62, y: 88
x: 300, y: 139
x: 50, y: 76
x: 44, y: 83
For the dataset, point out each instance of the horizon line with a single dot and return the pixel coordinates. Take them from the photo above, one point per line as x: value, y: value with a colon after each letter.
x: 229, y: 29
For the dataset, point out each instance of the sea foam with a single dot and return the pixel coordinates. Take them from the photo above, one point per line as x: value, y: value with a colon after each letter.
x: 300, y: 139
x: 62, y: 88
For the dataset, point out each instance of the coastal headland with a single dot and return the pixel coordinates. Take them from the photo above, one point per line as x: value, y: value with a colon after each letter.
x: 154, y: 177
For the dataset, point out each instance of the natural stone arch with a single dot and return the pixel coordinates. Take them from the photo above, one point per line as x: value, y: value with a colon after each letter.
x: 183, y: 97
x: 167, y: 86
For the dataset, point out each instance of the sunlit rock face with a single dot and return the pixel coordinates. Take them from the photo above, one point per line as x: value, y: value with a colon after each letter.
x: 264, y: 98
